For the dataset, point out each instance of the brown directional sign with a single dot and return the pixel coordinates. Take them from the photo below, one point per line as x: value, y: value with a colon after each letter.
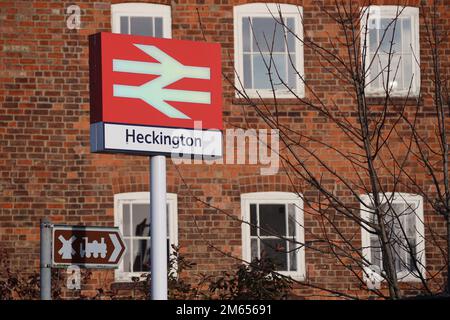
x: 92, y: 247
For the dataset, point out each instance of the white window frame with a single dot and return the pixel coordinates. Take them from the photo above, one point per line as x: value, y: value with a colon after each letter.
x: 391, y: 12
x: 143, y: 197
x: 274, y: 198
x: 398, y: 197
x: 142, y: 10
x: 267, y: 10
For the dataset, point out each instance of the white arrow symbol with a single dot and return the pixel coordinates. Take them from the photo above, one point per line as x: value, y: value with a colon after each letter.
x: 154, y: 91
x: 117, y: 248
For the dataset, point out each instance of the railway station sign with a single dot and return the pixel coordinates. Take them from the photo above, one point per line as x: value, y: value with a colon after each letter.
x: 155, y: 96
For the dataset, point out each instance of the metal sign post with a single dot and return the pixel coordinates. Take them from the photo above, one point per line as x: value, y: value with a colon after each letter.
x: 158, y: 220
x: 46, y: 259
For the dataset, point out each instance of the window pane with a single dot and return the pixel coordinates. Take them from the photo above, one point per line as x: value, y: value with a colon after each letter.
x: 141, y: 255
x: 397, y: 46
x: 373, y: 40
x: 264, y: 36
x: 406, y: 35
x: 291, y: 220
x: 279, y: 65
x: 385, y: 34
x: 275, y: 250
x: 410, y: 220
x: 246, y: 34
x: 141, y: 220
x: 247, y: 71
x: 374, y: 74
x: 401, y: 209
x: 401, y: 220
x: 400, y: 257
x: 260, y: 72
x: 396, y: 212
x: 253, y: 220
x: 126, y: 220
x: 124, y: 25
x: 407, y: 71
x: 292, y: 256
x: 372, y: 217
x: 272, y: 218
x: 292, y: 72
x: 375, y: 252
x: 276, y: 65
x: 396, y: 73
x: 142, y: 26
x: 411, y: 255
x: 127, y: 257
x: 275, y: 70
x: 158, y: 27
x: 389, y: 215
x: 290, y: 31
x: 392, y: 210
x: 254, y: 249
x: 390, y: 37
x: 391, y: 67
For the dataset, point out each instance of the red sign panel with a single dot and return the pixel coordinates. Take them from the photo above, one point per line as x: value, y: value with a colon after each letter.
x: 141, y: 80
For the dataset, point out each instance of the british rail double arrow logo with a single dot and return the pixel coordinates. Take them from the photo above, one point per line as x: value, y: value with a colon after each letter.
x: 154, y: 92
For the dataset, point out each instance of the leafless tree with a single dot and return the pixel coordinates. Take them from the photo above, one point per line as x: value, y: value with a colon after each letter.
x: 430, y: 148
x: 381, y: 146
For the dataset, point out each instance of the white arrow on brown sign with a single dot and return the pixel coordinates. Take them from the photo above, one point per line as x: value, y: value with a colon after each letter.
x: 91, y: 247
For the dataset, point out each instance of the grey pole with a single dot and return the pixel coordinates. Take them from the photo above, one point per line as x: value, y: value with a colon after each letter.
x: 158, y: 221
x: 45, y: 261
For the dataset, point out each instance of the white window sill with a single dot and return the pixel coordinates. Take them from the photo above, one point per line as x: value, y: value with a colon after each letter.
x: 408, y: 278
x: 382, y: 94
x: 128, y: 277
x: 294, y: 275
x: 404, y: 279
x: 257, y: 94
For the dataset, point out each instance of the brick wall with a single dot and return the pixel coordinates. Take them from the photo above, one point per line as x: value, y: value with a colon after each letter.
x: 47, y: 169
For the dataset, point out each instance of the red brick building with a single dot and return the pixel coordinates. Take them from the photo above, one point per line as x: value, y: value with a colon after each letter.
x: 47, y: 169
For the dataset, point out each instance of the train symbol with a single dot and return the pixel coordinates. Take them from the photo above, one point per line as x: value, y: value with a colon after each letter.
x: 93, y: 248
